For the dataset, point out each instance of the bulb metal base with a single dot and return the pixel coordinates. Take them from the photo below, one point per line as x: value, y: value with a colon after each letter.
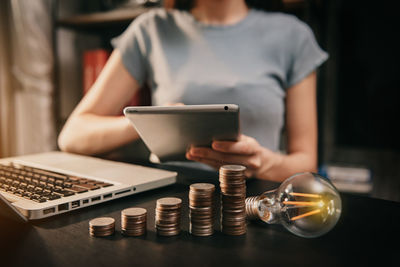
x: 252, y: 204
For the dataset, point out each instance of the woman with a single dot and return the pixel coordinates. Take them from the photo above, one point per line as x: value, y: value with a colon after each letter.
x: 218, y: 52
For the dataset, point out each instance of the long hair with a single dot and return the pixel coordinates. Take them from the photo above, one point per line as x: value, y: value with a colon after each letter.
x: 267, y: 5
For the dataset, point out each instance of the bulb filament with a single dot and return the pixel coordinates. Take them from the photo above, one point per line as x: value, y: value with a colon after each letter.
x: 305, y: 214
x: 301, y: 204
x: 305, y: 195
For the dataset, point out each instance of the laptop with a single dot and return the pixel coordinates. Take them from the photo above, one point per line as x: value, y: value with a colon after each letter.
x: 46, y: 184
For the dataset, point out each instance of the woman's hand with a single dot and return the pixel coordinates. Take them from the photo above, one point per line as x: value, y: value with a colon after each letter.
x: 246, y: 151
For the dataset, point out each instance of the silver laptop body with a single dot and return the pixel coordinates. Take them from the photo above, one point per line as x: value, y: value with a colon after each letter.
x: 106, y: 180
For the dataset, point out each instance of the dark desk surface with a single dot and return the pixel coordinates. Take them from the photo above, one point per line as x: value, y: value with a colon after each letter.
x: 367, y: 233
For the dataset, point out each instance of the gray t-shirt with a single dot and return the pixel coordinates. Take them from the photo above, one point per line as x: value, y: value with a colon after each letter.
x: 250, y: 63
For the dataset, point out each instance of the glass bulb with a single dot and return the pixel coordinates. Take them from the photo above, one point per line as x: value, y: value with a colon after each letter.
x: 306, y: 204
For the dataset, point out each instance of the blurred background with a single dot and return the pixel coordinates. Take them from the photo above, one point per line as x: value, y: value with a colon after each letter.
x: 51, y: 51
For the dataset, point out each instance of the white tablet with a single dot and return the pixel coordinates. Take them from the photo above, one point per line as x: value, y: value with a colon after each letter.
x: 168, y: 131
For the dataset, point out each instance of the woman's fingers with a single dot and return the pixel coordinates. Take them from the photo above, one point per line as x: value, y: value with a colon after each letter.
x: 210, y: 162
x: 217, y: 164
x: 245, y: 152
x: 244, y: 146
x: 252, y: 162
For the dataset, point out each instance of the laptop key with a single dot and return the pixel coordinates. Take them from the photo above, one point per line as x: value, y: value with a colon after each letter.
x: 59, y: 177
x: 12, y: 189
x: 54, y: 196
x: 67, y: 185
x: 20, y: 191
x: 101, y: 184
x: 89, y: 186
x: 30, y: 188
x: 38, y: 189
x: 46, y: 192
x: 79, y: 180
x: 48, y: 187
x: 68, y: 193
x: 76, y: 189
x: 27, y: 194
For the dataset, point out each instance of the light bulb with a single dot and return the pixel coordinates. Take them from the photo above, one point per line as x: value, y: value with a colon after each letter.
x: 306, y: 204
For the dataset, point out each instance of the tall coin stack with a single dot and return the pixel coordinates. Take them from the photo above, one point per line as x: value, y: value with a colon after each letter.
x: 168, y: 216
x: 133, y: 221
x: 233, y: 197
x: 201, y: 212
x: 102, y: 226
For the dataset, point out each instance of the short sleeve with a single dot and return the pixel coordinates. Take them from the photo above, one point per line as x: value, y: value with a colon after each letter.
x: 132, y: 46
x: 306, y: 55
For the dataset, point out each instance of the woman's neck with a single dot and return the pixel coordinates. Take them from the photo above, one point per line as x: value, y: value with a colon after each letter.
x: 219, y: 12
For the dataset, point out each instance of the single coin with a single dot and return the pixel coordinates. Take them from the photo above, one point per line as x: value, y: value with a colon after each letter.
x: 102, y: 234
x: 133, y: 222
x: 169, y: 201
x: 168, y: 233
x: 232, y: 168
x: 202, y: 187
x: 134, y: 212
x: 129, y: 225
x: 102, y: 222
x: 129, y: 232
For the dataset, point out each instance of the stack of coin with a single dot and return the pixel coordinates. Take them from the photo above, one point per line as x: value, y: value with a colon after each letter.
x: 233, y: 196
x: 103, y: 226
x: 133, y: 221
x: 201, y: 212
x: 168, y: 216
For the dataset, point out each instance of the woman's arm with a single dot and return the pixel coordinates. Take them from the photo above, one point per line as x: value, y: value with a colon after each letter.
x: 301, y: 123
x: 95, y: 125
x: 302, y: 132
x: 301, y: 126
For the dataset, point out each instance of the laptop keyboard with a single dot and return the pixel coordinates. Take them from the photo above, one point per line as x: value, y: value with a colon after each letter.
x: 42, y: 185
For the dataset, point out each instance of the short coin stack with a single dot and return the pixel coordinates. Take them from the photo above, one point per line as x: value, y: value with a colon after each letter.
x: 102, y: 226
x: 133, y: 221
x: 168, y: 216
x: 201, y: 211
x: 233, y: 196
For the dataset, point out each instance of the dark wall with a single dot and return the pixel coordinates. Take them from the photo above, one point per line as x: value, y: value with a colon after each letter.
x: 368, y: 75
x: 359, y: 89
